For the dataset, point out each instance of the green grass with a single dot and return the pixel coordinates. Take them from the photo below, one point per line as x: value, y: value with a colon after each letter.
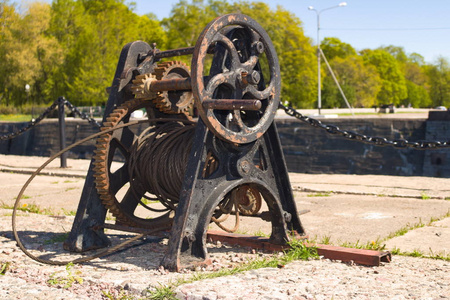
x: 372, y: 245
x: 424, y: 196
x: 57, y: 238
x: 326, y: 194
x: 419, y: 253
x: 4, y: 267
x: 16, y: 118
x: 298, y: 251
x: 123, y: 295
x: 35, y: 209
x: 65, y: 280
x: 69, y: 181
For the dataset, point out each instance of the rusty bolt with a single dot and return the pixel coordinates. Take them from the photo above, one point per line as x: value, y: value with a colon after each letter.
x: 287, y: 216
x: 258, y: 47
x: 190, y: 236
x: 250, y: 78
x: 253, y: 77
x: 245, y: 166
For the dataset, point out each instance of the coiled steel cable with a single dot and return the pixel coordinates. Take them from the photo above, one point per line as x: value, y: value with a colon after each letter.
x: 158, y: 161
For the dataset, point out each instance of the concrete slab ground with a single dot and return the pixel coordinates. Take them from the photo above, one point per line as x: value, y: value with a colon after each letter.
x: 343, y: 208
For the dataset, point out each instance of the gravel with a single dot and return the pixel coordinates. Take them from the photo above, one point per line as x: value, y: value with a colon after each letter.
x: 135, y: 271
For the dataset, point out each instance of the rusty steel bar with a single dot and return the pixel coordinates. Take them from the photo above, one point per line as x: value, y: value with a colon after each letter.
x: 176, y: 84
x: 358, y: 256
x: 175, y: 52
x: 231, y: 104
x: 180, y: 52
x: 162, y: 232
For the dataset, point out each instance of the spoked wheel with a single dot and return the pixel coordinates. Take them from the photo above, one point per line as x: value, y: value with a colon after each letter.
x: 113, y: 183
x: 236, y: 74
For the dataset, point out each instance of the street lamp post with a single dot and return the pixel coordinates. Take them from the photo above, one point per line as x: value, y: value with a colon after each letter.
x: 318, y: 12
x: 27, y: 91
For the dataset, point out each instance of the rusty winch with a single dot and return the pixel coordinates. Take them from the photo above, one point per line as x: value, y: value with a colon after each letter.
x: 210, y: 148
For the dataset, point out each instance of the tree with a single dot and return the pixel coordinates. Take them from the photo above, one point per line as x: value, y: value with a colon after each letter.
x: 393, y: 85
x: 30, y: 54
x: 333, y: 47
x: 414, y: 73
x: 92, y: 34
x: 439, y: 80
x: 359, y: 82
x: 8, y: 20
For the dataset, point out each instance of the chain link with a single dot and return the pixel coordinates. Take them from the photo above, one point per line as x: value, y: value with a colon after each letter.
x: 47, y: 111
x: 377, y: 141
x: 82, y: 115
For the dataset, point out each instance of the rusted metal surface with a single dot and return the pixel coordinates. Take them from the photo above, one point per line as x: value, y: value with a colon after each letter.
x: 176, y: 84
x: 357, y: 256
x: 238, y: 79
x: 232, y: 104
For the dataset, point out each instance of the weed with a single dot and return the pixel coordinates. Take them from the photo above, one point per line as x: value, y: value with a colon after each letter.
x: 122, y: 295
x: 4, y: 267
x: 416, y: 253
x: 70, y: 189
x: 57, y: 238
x: 372, y: 245
x: 424, y: 196
x: 68, y: 212
x: 298, y: 251
x: 326, y: 194
x: 69, y: 181
x: 325, y: 240
x: 165, y: 292
x: 65, y: 281
x: 260, y: 233
x: 404, y: 230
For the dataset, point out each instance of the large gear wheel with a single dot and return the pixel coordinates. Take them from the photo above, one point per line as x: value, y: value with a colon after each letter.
x: 173, y: 102
x: 109, y: 181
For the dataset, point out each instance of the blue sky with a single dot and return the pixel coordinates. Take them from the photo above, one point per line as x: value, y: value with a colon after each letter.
x: 418, y: 26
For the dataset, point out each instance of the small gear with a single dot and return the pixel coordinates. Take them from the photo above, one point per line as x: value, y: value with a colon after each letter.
x: 173, y: 102
x: 141, y: 86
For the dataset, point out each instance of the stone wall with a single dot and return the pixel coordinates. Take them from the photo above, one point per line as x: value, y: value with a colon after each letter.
x: 307, y: 149
x: 312, y: 150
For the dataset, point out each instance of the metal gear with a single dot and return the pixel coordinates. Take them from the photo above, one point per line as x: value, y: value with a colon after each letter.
x: 141, y: 86
x: 173, y: 102
x: 108, y: 182
x: 249, y: 200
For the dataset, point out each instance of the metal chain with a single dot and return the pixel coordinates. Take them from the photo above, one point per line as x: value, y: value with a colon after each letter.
x: 82, y: 115
x: 49, y: 109
x: 30, y: 124
x: 377, y: 141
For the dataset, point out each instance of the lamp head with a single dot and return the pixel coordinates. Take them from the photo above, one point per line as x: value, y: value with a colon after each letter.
x: 343, y: 4
x: 310, y: 7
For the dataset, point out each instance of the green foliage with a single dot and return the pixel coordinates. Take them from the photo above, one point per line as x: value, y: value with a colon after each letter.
x: 439, y: 81
x: 295, y: 52
x: 360, y: 83
x: 65, y: 280
x: 57, y: 238
x: 71, y: 47
x: 4, y: 267
x: 393, y: 85
x: 333, y: 47
x: 297, y: 251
